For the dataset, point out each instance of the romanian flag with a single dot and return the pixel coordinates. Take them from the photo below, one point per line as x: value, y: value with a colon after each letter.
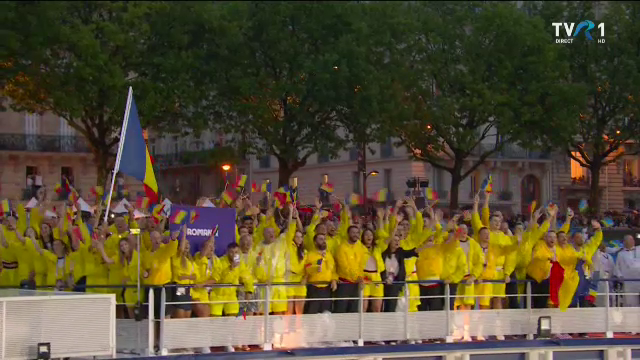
x: 265, y: 187
x: 157, y: 213
x: 294, y: 195
x: 134, y: 160
x: 58, y: 189
x: 228, y: 197
x: 178, y: 217
x: 73, y: 196
x: 240, y: 182
x: 97, y: 191
x: 487, y: 184
x: 327, y: 187
x: 143, y: 202
x: 67, y: 185
x: 354, y: 199
x: 254, y: 187
x: 193, y: 216
x: 381, y: 195
x: 555, y: 283
x: 430, y: 194
x: 280, y: 199
x: 5, y: 209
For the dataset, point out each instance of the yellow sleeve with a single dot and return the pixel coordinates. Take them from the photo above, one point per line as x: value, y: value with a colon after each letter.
x: 167, y: 251
x: 36, y: 219
x: 290, y: 233
x: 591, y: 247
x: 237, y: 234
x: 21, y: 224
x: 485, y: 215
x: 539, y: 231
x: 461, y: 269
x: 393, y: 221
x: 565, y: 227
x: 510, y: 262
x: 476, y: 223
x: 417, y: 226
x: 311, y: 232
x: 344, y: 223
x: 539, y: 252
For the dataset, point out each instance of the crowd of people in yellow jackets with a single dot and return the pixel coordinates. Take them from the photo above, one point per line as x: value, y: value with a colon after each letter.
x: 311, y: 268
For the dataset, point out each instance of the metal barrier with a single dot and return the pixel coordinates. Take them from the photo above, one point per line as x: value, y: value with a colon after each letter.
x: 59, y: 319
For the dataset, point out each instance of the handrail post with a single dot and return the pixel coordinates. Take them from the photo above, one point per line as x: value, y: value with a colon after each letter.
x: 151, y: 324
x: 607, y: 307
x: 4, y: 330
x: 163, y: 307
x: 406, y: 311
x: 529, y: 309
x: 447, y: 309
x: 361, y: 315
x: 266, y: 343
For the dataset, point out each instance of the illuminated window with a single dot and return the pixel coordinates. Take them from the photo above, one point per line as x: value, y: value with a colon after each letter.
x: 577, y: 170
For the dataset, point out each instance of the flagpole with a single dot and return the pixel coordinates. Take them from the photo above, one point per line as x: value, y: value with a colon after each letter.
x: 123, y: 132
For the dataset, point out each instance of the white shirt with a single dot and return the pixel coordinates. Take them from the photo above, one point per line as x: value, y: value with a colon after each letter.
x: 603, y: 263
x: 628, y: 263
x: 392, y: 266
x: 371, y: 265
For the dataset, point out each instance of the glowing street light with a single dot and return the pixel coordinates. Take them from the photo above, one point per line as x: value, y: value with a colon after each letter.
x: 226, y: 167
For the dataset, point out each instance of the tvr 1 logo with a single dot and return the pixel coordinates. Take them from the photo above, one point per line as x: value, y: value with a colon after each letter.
x: 584, y: 26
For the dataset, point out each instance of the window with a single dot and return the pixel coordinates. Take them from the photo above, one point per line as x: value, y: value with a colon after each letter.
x: 630, y: 176
x: 386, y: 181
x: 323, y: 158
x: 31, y: 176
x: 386, y: 149
x: 66, y: 172
x: 504, y: 181
x: 473, y: 181
x: 356, y: 182
x: 265, y: 162
x: 578, y: 172
x: 353, y: 154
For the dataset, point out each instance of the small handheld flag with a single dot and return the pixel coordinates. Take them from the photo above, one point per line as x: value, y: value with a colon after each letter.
x: 487, y: 184
x: 254, y: 187
x: 265, y: 187
x: 178, y: 217
x: 583, y: 206
x: 327, y: 188
x: 5, y: 208
x: 532, y: 207
x: 354, y: 199
x: 193, y: 216
x: 607, y: 222
x: 240, y: 182
x: 143, y: 203
x: 228, y: 197
x: 97, y: 191
x: 73, y: 196
x: 58, y: 189
x: 430, y: 194
x: 381, y: 195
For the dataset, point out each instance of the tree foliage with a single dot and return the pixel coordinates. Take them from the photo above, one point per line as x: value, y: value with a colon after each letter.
x: 606, y: 76
x: 77, y: 59
x: 479, y: 76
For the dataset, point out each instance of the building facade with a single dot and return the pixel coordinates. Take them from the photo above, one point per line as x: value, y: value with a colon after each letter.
x: 519, y: 176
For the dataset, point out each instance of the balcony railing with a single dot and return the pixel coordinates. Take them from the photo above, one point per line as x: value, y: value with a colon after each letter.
x: 511, y: 152
x: 43, y: 143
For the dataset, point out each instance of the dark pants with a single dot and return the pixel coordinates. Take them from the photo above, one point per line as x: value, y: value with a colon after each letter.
x: 540, y: 294
x: 391, y: 293
x: 317, y: 306
x: 436, y: 300
x: 453, y: 289
x: 81, y: 285
x: 346, y: 291
x: 512, y: 293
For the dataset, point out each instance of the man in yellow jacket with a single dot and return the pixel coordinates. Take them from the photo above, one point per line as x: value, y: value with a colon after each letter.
x: 349, y: 257
x: 319, y: 272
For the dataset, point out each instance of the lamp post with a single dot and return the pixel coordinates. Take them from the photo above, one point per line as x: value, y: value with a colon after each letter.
x: 226, y: 168
x: 364, y: 185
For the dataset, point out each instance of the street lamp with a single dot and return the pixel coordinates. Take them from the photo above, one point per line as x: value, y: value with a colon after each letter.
x: 226, y: 168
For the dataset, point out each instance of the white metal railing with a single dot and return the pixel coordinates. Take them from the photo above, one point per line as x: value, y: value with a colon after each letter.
x: 73, y: 324
x: 294, y: 331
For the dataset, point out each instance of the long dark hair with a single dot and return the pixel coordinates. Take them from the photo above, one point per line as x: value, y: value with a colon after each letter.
x: 373, y: 242
x: 300, y: 247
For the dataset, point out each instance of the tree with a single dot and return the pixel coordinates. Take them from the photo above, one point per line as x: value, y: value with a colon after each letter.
x: 77, y: 59
x: 480, y: 75
x: 275, y: 71
x: 607, y: 75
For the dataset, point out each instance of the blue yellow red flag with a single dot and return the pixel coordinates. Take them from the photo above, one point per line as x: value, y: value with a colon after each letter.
x: 135, y: 160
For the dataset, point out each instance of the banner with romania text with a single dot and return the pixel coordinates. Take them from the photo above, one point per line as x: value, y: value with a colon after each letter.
x: 200, y: 227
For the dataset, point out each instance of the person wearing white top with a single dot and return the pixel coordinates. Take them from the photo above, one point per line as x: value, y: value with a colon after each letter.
x: 628, y: 267
x: 603, y: 266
